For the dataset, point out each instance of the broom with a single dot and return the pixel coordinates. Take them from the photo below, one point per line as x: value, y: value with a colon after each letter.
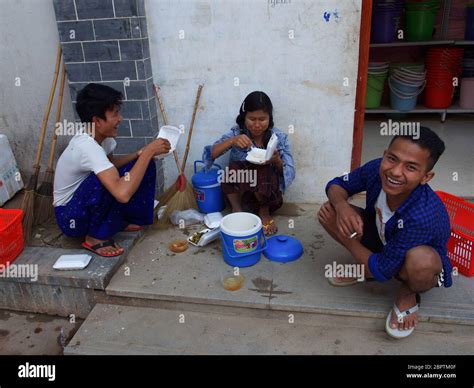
x: 171, y: 191
x: 45, y: 191
x: 184, y: 197
x: 28, y: 202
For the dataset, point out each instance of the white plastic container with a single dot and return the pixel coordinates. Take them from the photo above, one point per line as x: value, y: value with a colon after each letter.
x: 260, y: 156
x: 207, y: 236
x: 171, y: 134
x: 10, y: 179
x: 72, y: 262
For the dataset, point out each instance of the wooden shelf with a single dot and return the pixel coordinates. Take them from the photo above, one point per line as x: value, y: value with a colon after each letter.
x: 425, y: 43
x: 455, y: 108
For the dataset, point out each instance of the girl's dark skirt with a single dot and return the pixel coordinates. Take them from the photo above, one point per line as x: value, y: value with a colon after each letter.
x: 267, y: 186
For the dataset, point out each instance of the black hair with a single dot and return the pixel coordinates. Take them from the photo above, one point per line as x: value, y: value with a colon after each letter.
x: 427, y: 140
x: 95, y: 100
x: 256, y: 101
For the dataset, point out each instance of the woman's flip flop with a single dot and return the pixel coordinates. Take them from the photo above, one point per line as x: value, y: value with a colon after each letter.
x: 396, y: 333
x: 133, y: 228
x: 266, y: 226
x: 105, y: 244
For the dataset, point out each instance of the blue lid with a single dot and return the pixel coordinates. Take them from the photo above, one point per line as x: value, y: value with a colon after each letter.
x: 283, y: 249
x: 202, y: 178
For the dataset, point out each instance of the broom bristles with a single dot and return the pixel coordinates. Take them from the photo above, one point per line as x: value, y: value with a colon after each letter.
x: 44, y: 201
x: 182, y: 200
x: 28, y: 207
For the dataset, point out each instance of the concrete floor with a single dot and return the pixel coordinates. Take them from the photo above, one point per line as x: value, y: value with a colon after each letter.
x: 458, y: 134
x: 129, y: 330
x: 34, y: 334
x: 195, y: 276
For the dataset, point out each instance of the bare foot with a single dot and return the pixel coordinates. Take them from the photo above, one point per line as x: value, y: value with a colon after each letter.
x: 404, y: 301
x: 106, y: 250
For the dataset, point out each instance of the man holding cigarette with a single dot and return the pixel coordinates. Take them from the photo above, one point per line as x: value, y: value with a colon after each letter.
x: 403, y: 231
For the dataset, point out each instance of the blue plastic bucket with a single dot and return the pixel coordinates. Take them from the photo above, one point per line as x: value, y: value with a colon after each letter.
x: 241, y: 236
x: 207, y: 189
x: 403, y: 97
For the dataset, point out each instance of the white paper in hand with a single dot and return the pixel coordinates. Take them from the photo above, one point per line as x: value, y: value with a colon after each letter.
x: 260, y: 156
x: 171, y: 134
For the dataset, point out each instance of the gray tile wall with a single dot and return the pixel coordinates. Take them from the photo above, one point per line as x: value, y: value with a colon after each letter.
x: 106, y: 41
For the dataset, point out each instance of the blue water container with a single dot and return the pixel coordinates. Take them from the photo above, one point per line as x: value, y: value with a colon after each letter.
x: 242, y: 238
x: 207, y: 188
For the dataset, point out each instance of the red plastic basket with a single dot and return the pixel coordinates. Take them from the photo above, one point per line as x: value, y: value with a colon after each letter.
x: 461, y: 242
x: 11, y: 235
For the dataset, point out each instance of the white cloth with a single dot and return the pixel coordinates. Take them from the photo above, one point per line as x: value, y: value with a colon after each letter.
x: 383, y: 214
x: 82, y: 156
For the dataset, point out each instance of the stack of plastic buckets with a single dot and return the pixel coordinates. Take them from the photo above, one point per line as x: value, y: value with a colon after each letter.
x: 386, y: 20
x: 466, y: 100
x: 442, y: 64
x: 375, y: 83
x: 420, y: 19
x: 406, y: 82
x: 468, y: 63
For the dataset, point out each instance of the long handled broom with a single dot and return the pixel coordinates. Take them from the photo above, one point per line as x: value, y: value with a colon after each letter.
x: 45, y: 191
x: 171, y: 191
x: 184, y: 197
x: 28, y: 202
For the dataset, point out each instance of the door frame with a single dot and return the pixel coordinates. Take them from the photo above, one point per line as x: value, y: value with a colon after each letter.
x: 361, y: 88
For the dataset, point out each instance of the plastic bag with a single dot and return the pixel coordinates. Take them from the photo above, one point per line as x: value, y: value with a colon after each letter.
x: 189, y: 217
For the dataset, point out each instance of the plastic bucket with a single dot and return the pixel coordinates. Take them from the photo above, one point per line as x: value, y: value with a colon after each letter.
x: 420, y: 24
x: 403, y: 100
x: 241, y: 236
x: 385, y: 24
x: 439, y: 94
x: 375, y: 87
x: 207, y: 189
x: 467, y: 93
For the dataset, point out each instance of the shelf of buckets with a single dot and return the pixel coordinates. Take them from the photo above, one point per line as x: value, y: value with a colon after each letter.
x: 443, y: 69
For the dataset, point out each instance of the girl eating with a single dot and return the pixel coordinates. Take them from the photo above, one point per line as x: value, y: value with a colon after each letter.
x: 254, y: 129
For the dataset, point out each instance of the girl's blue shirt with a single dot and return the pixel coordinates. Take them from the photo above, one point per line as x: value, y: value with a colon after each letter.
x: 239, y: 154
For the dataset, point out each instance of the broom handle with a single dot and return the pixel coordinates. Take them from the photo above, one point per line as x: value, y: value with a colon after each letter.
x: 48, y: 108
x: 196, y: 104
x: 165, y: 119
x: 58, y: 117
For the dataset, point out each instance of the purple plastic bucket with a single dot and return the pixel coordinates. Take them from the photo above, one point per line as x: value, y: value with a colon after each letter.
x: 385, y: 24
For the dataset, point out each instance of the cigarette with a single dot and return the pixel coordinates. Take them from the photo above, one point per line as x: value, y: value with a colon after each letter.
x: 353, y: 235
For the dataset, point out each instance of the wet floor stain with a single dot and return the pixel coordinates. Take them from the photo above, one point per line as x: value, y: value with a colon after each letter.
x: 4, y: 315
x: 43, y: 318
x: 267, y: 288
x: 38, y: 330
x: 4, y: 333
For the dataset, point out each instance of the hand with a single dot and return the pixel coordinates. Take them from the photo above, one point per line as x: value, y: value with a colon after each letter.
x: 348, y: 220
x: 158, y: 147
x: 242, y: 141
x: 275, y: 159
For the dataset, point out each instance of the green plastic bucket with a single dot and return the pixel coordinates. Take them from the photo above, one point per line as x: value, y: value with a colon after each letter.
x: 420, y: 24
x: 375, y: 87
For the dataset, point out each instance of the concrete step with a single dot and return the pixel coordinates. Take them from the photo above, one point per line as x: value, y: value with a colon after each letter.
x: 39, y: 288
x: 153, y: 273
x: 128, y: 330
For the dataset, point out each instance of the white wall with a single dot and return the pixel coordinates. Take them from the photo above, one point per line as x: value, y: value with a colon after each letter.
x: 28, y: 43
x: 249, y: 39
